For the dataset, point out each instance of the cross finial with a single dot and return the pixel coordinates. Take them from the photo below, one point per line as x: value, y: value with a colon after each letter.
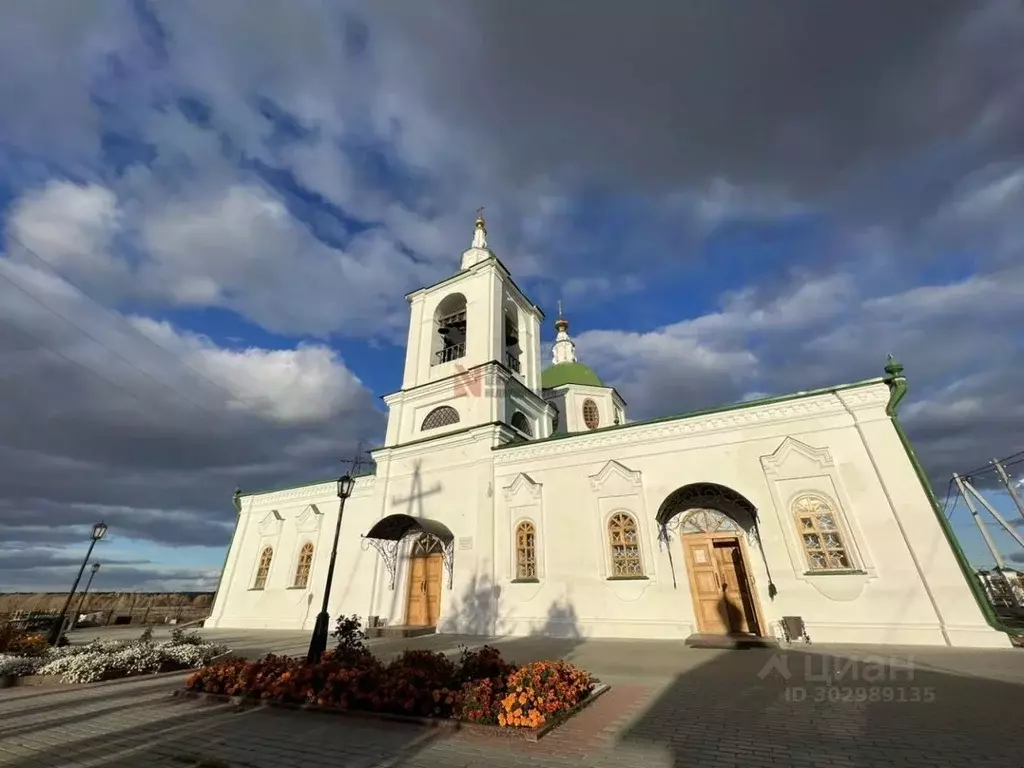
x: 559, y: 307
x: 357, y: 461
x: 480, y: 233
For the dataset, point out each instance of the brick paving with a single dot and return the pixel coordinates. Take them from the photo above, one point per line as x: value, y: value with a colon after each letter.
x: 669, y: 707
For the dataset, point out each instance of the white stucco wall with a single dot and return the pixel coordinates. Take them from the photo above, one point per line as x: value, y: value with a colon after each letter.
x: 909, y: 589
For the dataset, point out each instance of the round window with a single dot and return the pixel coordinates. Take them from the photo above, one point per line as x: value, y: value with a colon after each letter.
x: 591, y: 416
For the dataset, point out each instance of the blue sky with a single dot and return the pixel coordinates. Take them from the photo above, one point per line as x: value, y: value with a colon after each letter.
x: 210, y: 214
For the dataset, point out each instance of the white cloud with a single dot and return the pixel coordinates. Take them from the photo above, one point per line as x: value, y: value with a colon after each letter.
x: 291, y: 386
x: 826, y: 332
x: 592, y: 289
x: 72, y: 228
x: 459, y: 114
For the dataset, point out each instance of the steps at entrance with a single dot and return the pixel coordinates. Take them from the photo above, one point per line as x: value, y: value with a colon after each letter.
x: 400, y: 630
x: 730, y: 642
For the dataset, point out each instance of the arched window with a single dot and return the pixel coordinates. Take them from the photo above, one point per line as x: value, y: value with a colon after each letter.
x: 520, y: 422
x: 450, y: 329
x: 818, y: 526
x: 440, y: 417
x: 591, y: 416
x: 263, y: 569
x: 304, y: 565
x: 526, y: 551
x: 624, y: 540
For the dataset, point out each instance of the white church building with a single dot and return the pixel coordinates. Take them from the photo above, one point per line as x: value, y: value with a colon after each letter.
x: 513, y: 499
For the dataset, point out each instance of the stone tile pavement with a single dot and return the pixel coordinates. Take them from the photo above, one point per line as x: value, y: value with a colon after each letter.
x: 669, y: 706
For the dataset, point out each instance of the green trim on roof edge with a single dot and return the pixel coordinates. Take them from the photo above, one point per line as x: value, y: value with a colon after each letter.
x: 705, y: 412
x: 898, y: 389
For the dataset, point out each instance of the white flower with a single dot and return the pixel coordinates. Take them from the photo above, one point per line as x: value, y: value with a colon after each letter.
x: 19, y: 666
x: 114, y: 659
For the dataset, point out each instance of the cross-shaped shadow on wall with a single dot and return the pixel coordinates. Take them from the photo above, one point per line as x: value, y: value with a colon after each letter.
x: 414, y: 501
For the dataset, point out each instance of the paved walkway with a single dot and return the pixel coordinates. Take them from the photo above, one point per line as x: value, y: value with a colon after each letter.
x: 669, y: 707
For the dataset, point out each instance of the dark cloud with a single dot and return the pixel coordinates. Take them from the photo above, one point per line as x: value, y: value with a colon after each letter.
x: 963, y: 406
x: 799, y: 94
x: 608, y: 144
x: 87, y: 437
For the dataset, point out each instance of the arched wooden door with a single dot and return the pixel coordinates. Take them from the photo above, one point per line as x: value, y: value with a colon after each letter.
x: 426, y: 567
x: 720, y: 582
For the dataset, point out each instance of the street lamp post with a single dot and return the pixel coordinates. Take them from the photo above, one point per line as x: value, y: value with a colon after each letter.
x: 81, y: 601
x: 98, y: 532
x: 318, y: 643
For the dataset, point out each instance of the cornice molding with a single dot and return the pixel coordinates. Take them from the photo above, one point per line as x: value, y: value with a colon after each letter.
x: 484, y: 433
x: 815, y: 406
x: 866, y: 397
x: 363, y: 487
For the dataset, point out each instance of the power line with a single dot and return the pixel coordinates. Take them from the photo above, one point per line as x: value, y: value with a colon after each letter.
x: 945, y: 504
x: 118, y: 355
x: 1015, y: 458
x: 119, y: 318
x: 71, y: 360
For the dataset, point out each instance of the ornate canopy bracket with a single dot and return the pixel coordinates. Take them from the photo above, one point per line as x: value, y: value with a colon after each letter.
x: 388, y: 551
x: 387, y: 534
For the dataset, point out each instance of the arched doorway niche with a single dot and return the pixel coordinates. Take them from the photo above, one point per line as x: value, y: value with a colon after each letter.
x: 718, y: 534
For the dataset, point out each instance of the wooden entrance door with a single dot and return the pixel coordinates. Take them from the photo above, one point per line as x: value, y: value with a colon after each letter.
x: 425, y: 570
x: 722, y: 598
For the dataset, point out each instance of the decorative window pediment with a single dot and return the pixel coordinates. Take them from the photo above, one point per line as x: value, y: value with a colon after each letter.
x: 613, y: 472
x: 795, y: 458
x: 271, y: 523
x: 309, y: 520
x: 523, y: 483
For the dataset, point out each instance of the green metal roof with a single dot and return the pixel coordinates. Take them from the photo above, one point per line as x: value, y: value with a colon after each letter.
x: 569, y: 373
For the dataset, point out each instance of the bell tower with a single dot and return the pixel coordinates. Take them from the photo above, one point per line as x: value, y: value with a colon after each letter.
x: 473, y: 344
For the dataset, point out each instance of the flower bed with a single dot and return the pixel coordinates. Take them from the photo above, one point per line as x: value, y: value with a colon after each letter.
x: 480, y: 688
x: 109, y: 660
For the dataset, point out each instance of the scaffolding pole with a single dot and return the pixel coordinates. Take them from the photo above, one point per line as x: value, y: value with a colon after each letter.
x: 1009, y: 486
x: 979, y: 522
x: 999, y: 518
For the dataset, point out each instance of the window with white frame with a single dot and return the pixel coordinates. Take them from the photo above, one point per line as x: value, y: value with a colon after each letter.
x: 624, y: 541
x: 304, y: 565
x: 263, y: 568
x: 817, y: 523
x: 526, y: 551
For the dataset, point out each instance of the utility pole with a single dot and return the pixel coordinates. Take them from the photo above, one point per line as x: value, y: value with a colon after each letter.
x: 999, y: 518
x: 1009, y: 486
x: 980, y: 523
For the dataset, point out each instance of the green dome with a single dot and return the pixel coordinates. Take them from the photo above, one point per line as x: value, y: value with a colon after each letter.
x: 568, y: 373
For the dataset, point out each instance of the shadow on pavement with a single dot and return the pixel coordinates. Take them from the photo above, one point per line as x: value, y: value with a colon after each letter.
x: 795, y: 708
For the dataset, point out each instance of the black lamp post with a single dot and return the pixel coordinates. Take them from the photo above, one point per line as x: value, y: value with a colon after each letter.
x: 318, y: 643
x: 98, y: 532
x: 81, y: 601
